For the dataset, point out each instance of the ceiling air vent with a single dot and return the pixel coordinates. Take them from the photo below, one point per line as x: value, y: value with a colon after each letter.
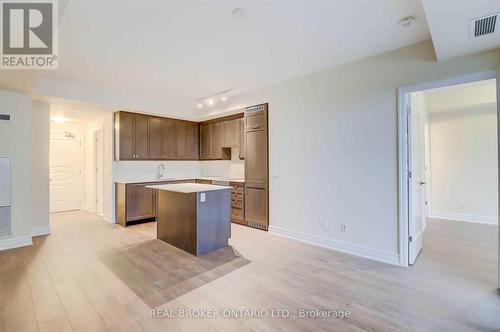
x: 484, y: 25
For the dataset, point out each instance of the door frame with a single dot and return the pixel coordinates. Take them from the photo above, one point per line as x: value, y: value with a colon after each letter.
x: 100, y: 132
x: 403, y: 153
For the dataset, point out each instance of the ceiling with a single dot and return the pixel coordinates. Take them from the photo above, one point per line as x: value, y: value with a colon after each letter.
x: 161, y: 56
x: 449, y: 22
x: 76, y: 112
x: 182, y: 50
x: 460, y: 97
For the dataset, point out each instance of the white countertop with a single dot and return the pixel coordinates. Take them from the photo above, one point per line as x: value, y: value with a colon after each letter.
x: 146, y: 180
x: 187, y: 188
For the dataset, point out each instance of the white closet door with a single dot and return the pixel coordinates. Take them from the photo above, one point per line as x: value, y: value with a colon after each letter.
x: 5, y: 196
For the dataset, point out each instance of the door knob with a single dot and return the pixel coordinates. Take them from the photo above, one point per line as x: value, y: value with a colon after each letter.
x: 422, y: 183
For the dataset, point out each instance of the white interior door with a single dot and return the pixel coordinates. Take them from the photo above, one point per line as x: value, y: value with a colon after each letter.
x: 416, y: 181
x: 99, y: 167
x: 65, y: 172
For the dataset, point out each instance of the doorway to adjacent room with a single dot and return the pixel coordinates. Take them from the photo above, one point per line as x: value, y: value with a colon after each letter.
x: 449, y: 170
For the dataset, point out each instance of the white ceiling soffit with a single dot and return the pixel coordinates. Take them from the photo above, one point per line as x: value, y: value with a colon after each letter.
x: 450, y: 23
x: 181, y: 50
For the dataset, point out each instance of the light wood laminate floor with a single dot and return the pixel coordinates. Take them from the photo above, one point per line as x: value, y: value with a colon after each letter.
x: 89, y: 275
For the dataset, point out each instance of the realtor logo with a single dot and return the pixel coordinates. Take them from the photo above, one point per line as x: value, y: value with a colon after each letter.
x: 29, y: 34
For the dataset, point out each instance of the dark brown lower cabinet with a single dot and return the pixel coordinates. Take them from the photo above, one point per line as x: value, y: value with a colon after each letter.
x: 237, y: 202
x: 256, y: 207
x: 134, y: 202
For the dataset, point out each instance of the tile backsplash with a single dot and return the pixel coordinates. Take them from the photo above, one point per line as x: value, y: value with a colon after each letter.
x: 146, y: 170
x: 233, y: 169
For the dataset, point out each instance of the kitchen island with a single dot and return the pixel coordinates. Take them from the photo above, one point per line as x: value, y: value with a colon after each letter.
x: 194, y: 217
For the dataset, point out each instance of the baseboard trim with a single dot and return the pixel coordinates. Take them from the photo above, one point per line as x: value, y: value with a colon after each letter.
x: 348, y: 248
x: 39, y: 231
x: 464, y: 217
x: 16, y: 242
x: 108, y: 218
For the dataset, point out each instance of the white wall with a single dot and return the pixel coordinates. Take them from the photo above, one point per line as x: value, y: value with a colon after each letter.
x: 106, y: 124
x: 16, y: 141
x: 40, y: 167
x: 464, y: 164
x: 333, y: 147
x: 25, y: 139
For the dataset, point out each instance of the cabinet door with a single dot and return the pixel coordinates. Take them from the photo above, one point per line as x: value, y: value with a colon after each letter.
x: 242, y: 137
x: 256, y: 206
x: 205, y: 141
x: 256, y: 158
x: 256, y: 117
x: 231, y: 133
x: 193, y: 141
x: 181, y: 134
x: 156, y: 138
x: 141, y: 136
x: 169, y: 139
x: 217, y: 136
x: 141, y: 202
x: 125, y: 135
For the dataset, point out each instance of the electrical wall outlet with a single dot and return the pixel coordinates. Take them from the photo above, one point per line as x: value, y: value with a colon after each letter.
x: 344, y: 228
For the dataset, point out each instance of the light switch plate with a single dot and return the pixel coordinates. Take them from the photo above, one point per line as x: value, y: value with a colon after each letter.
x: 202, y: 197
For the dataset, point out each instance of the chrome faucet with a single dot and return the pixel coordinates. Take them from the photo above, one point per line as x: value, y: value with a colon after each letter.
x: 160, y: 171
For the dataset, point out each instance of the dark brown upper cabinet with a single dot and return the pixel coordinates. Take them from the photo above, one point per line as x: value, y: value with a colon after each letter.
x: 217, y: 137
x: 169, y: 139
x: 124, y: 138
x: 141, y: 136
x: 220, y: 138
x: 187, y: 137
x: 156, y: 142
x: 144, y: 137
x: 180, y: 136
x: 206, y: 141
x: 231, y: 133
x: 132, y: 136
x: 193, y: 140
